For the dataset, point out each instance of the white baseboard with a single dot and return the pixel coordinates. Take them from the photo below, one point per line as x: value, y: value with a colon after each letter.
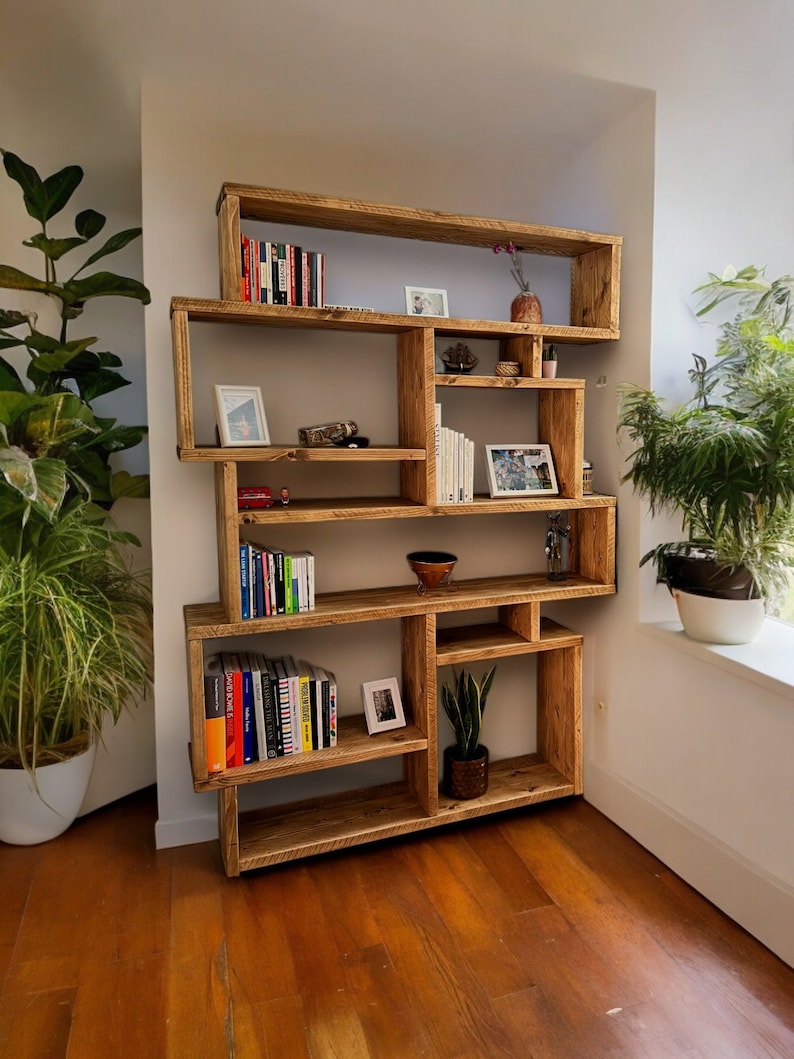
x: 185, y: 832
x: 759, y: 902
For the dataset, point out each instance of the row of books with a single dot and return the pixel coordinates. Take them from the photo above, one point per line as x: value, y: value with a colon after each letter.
x: 274, y: 581
x: 454, y: 464
x: 258, y: 708
x: 281, y: 274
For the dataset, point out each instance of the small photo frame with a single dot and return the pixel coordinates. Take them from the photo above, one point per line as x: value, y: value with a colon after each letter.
x: 383, y: 706
x: 520, y: 470
x: 426, y: 301
x: 241, y: 416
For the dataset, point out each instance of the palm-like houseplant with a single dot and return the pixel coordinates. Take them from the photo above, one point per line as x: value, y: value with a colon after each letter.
x: 724, y: 460
x: 464, y: 705
x: 74, y: 619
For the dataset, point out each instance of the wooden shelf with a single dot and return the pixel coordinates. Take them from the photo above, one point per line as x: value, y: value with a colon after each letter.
x: 208, y: 620
x: 354, y: 745
x: 251, y: 840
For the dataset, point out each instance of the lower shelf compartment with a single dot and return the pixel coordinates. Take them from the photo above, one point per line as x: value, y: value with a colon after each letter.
x: 303, y: 829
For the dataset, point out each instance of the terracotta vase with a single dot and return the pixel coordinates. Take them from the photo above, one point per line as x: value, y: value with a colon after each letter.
x: 465, y: 779
x: 526, y: 309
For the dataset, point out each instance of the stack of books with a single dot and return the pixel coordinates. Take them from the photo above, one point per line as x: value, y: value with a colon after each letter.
x: 454, y: 464
x: 281, y: 274
x: 258, y: 708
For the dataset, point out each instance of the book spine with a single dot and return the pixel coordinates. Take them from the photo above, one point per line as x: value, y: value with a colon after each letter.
x: 276, y: 706
x: 306, y: 711
x: 294, y: 702
x: 283, y: 274
x: 320, y: 280
x: 313, y: 278
x: 334, y: 721
x: 246, y: 280
x: 306, y: 291
x: 296, y: 276
x: 270, y: 743
x: 228, y: 705
x: 287, y: 735
x: 325, y: 694
x: 289, y: 602
x: 260, y: 747
x: 245, y: 584
x: 214, y: 716
x: 248, y: 713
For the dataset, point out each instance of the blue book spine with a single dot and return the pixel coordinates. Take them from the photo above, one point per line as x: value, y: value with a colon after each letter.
x: 245, y: 598
x: 248, y: 717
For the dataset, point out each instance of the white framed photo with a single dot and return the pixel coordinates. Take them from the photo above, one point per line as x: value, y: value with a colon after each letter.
x: 241, y: 415
x: 426, y: 301
x: 383, y: 706
x: 520, y: 470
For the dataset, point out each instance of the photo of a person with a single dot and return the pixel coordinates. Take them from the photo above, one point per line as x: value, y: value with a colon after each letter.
x: 384, y: 705
x: 426, y: 301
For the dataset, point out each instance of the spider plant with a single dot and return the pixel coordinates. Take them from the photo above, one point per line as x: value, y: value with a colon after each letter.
x: 464, y: 705
x: 724, y: 459
x: 75, y: 632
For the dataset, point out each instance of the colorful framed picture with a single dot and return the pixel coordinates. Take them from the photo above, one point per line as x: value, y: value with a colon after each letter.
x: 520, y: 470
x: 426, y: 301
x: 383, y: 706
x: 241, y: 416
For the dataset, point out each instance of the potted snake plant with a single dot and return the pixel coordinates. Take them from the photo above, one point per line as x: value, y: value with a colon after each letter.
x: 75, y: 620
x: 724, y: 461
x: 466, y: 761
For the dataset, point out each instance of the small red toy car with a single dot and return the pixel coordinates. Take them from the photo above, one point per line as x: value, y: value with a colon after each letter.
x: 253, y: 496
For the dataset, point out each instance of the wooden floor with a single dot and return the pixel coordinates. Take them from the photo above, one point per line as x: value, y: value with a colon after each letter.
x: 548, y: 933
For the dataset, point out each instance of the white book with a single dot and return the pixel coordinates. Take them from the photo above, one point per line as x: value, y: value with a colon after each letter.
x: 437, y: 443
x: 469, y: 471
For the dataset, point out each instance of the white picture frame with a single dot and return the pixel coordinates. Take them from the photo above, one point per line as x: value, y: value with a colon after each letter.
x: 241, y: 418
x: 426, y: 301
x: 383, y: 706
x: 524, y: 469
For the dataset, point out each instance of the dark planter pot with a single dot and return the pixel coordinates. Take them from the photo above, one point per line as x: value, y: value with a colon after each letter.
x: 706, y: 577
x: 465, y: 779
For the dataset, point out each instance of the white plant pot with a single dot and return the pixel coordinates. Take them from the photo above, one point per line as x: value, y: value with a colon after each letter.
x: 27, y: 817
x: 721, y: 621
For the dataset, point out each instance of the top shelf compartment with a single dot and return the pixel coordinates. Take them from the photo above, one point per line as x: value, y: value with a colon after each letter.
x: 595, y: 264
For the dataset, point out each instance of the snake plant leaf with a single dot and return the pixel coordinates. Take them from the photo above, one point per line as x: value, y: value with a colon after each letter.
x: 16, y: 279
x: 52, y: 248
x: 43, y: 198
x: 113, y: 245
x: 89, y: 223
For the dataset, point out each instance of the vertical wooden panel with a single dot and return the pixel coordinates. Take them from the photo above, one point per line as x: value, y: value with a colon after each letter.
x: 528, y: 351
x: 595, y: 288
x: 416, y: 396
x: 228, y: 539
x: 561, y: 425
x: 229, y: 830
x: 229, y: 248
x: 183, y: 385
x: 420, y: 684
x: 195, y: 681
x: 593, y: 543
x: 523, y: 618
x: 560, y: 711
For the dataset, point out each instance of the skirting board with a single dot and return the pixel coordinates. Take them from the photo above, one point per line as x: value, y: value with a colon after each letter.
x: 185, y: 832
x: 761, y: 904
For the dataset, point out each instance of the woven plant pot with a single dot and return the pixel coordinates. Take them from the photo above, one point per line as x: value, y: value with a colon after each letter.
x: 465, y: 779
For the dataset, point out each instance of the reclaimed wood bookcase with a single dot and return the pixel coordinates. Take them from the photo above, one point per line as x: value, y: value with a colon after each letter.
x: 255, y: 839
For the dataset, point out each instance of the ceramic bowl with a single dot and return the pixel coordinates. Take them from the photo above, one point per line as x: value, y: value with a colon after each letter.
x: 433, y: 569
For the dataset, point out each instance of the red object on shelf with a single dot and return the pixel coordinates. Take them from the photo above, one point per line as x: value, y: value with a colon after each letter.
x: 254, y: 496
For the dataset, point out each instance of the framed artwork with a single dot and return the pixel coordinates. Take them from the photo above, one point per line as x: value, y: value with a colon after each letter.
x: 241, y: 415
x: 426, y: 301
x: 383, y: 706
x: 520, y: 470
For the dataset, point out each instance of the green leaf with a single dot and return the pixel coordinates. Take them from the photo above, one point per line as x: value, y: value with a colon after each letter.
x: 9, y: 380
x: 14, y: 279
x: 114, y: 244
x: 103, y: 284
x: 43, y: 198
x: 12, y: 318
x: 54, y: 249
x: 125, y: 484
x: 41, y: 482
x: 9, y: 342
x: 89, y: 223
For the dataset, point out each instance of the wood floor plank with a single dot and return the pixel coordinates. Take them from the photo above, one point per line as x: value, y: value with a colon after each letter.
x: 284, y: 1023
x: 41, y: 1026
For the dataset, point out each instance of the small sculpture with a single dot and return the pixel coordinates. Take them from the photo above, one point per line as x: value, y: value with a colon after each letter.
x: 284, y: 495
x: 557, y: 548
x: 459, y: 359
x: 327, y: 433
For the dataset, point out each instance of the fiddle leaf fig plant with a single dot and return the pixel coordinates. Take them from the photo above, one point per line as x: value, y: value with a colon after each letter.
x: 67, y: 430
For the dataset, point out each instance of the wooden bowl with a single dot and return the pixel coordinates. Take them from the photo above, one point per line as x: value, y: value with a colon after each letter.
x: 433, y: 569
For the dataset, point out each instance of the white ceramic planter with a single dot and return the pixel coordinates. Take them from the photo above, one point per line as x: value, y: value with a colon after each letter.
x: 721, y: 621
x: 27, y: 818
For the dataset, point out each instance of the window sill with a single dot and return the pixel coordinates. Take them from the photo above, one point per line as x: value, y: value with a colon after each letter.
x: 767, y: 661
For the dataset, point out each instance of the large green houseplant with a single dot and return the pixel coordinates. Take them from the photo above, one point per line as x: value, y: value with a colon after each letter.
x: 75, y: 619
x: 724, y: 459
